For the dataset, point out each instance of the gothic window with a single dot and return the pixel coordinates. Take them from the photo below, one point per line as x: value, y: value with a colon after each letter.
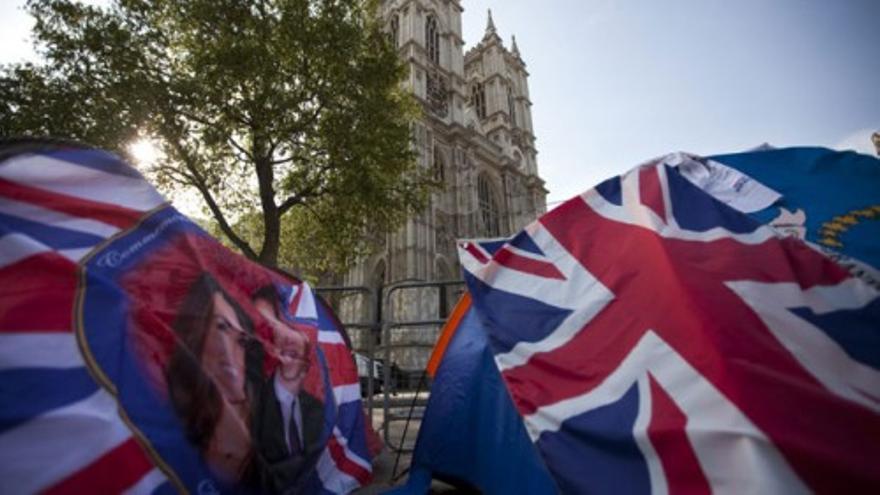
x: 478, y: 100
x: 488, y: 206
x: 512, y: 106
x: 437, y: 88
x: 377, y: 279
x: 439, y: 168
x: 395, y: 30
x: 377, y: 282
x: 442, y: 272
x: 432, y: 39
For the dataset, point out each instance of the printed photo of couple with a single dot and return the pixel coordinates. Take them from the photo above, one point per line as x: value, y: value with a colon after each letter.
x: 239, y: 373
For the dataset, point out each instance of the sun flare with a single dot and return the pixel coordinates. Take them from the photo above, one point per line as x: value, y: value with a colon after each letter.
x: 144, y: 151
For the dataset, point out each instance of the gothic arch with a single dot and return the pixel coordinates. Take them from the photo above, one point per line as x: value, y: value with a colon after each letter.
x: 432, y: 38
x: 378, y: 275
x: 442, y: 269
x: 439, y: 165
x: 489, y: 205
x: 511, y: 105
x: 443, y: 272
x: 394, y: 29
x: 478, y: 99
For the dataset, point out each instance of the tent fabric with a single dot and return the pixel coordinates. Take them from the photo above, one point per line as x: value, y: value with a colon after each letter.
x: 469, y: 421
x: 655, y: 339
x: 139, y: 354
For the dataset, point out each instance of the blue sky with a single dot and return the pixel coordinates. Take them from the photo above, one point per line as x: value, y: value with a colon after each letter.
x: 617, y: 82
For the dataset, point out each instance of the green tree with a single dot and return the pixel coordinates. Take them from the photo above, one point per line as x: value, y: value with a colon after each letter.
x: 287, y: 116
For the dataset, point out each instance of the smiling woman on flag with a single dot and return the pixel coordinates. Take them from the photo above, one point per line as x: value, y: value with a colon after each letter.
x: 212, y: 376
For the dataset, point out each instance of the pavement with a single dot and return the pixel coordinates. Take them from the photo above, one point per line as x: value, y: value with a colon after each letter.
x: 386, y: 474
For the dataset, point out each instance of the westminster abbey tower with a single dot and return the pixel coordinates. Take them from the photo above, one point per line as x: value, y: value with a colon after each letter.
x: 476, y: 136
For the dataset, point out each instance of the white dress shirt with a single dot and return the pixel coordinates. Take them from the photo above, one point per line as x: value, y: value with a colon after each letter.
x: 289, y: 405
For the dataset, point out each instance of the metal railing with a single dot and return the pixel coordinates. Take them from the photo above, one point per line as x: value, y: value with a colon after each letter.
x: 379, y: 344
x: 412, y: 408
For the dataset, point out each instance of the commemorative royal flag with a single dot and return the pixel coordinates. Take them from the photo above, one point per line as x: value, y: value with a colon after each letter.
x: 827, y: 198
x: 655, y: 339
x: 139, y: 355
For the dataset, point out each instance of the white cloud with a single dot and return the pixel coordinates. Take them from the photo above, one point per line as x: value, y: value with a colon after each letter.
x: 859, y: 141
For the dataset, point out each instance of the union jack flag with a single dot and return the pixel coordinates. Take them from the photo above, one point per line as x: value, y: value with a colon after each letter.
x: 345, y: 464
x: 656, y: 340
x: 76, y: 412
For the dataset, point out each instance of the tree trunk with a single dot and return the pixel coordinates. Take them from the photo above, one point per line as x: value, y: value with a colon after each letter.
x: 271, y: 238
x: 271, y: 215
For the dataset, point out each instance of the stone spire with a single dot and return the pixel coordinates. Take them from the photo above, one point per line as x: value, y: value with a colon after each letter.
x: 491, y: 35
x: 513, y: 47
x: 490, y: 26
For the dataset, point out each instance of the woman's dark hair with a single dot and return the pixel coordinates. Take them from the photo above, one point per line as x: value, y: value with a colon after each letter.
x: 269, y: 294
x: 194, y: 395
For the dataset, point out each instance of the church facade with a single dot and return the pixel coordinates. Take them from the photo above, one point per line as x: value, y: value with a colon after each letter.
x: 477, y: 138
x: 476, y: 135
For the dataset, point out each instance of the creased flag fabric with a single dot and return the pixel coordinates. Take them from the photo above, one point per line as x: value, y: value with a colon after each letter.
x: 471, y: 434
x: 657, y: 340
x: 139, y: 355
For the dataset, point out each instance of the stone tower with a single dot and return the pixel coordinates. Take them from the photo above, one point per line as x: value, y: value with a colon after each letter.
x: 476, y: 136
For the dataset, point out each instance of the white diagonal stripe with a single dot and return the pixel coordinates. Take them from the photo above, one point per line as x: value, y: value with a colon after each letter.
x: 330, y: 337
x: 819, y: 354
x: 334, y: 480
x: 59, y: 176
x: 51, y: 447
x: 306, y: 308
x: 15, y: 247
x: 34, y: 213
x: 39, y: 350
x: 641, y: 216
x: 733, y: 453
x: 351, y: 456
x: 76, y: 254
x: 347, y: 393
x: 571, y: 293
x: 656, y: 474
x: 148, y: 483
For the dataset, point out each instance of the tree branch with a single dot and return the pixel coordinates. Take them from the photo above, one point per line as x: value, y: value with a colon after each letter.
x: 200, y: 184
x: 282, y: 161
x: 289, y: 203
x: 240, y: 149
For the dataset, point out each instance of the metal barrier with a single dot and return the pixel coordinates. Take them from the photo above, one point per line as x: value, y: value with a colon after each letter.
x: 395, y: 409
x: 412, y: 408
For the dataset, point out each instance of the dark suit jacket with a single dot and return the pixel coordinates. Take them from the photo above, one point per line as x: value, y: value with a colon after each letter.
x: 277, y: 471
